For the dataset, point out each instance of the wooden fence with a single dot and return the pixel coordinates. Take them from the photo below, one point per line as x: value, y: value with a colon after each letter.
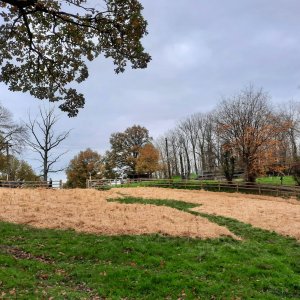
x: 217, y: 186
x: 57, y: 184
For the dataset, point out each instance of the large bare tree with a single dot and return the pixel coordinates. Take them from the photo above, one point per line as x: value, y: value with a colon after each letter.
x: 45, y: 140
x: 250, y: 129
x: 244, y: 134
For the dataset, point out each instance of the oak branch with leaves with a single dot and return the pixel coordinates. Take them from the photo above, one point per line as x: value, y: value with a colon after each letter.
x: 45, y: 44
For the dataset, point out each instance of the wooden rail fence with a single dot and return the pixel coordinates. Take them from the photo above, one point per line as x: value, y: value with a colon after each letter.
x: 220, y: 186
x: 31, y: 184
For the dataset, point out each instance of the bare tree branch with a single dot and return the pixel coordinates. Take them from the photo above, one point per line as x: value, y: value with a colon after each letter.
x: 45, y: 140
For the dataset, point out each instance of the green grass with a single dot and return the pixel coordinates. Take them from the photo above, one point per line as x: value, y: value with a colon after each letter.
x: 39, y: 264
x: 275, y: 180
x: 174, y: 182
x: 272, y: 180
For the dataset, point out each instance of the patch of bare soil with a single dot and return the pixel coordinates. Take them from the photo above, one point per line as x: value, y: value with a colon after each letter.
x: 88, y: 211
x: 20, y: 254
x: 275, y: 214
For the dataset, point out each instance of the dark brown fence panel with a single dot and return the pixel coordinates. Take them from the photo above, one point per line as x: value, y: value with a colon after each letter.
x: 30, y: 184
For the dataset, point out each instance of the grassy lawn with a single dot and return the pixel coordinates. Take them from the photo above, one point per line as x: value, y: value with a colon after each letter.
x: 166, y: 183
x: 275, y: 180
x: 40, y: 264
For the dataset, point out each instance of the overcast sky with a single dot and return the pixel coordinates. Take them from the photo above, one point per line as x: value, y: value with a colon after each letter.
x: 201, y: 51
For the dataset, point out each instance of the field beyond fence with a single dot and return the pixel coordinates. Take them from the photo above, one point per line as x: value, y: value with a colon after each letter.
x: 257, y: 188
x: 216, y: 186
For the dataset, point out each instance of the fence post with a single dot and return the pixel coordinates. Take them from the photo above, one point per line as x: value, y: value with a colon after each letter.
x: 60, y: 184
x: 219, y: 186
x: 237, y: 187
x: 259, y: 189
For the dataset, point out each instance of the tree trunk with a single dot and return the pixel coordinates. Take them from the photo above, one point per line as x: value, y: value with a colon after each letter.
x: 203, y: 160
x: 195, y: 160
x: 294, y: 146
x: 188, y: 162
x: 250, y: 175
x: 181, y: 165
x: 175, y: 159
x: 45, y: 167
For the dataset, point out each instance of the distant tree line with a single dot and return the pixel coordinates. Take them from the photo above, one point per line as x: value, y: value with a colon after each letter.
x: 131, y: 155
x: 245, y: 134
